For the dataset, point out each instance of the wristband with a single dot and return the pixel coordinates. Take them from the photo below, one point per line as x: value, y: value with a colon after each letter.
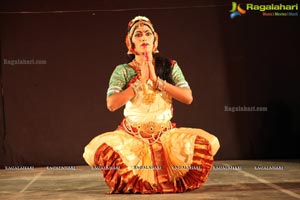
x: 136, y: 86
x: 160, y: 84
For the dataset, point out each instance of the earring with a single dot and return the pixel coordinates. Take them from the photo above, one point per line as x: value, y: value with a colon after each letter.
x: 155, y: 51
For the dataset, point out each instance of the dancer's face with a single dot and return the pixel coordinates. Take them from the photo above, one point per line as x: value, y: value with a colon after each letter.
x: 143, y: 39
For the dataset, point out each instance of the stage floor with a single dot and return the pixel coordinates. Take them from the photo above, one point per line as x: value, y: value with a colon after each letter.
x: 232, y: 179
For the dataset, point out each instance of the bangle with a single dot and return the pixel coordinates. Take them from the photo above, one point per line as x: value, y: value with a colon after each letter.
x: 136, y: 86
x: 160, y: 84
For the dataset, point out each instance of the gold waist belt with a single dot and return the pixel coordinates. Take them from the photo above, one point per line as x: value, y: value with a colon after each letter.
x: 148, y: 130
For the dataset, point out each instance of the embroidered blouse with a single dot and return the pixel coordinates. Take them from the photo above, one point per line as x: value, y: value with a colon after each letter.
x: 123, y: 73
x: 141, y: 108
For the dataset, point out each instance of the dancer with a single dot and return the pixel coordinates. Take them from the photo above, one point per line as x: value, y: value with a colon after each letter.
x: 147, y: 153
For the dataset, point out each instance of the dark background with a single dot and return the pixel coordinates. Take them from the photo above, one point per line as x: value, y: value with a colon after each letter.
x: 49, y: 112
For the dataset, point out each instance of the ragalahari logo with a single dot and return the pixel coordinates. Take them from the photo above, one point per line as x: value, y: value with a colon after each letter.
x: 236, y: 10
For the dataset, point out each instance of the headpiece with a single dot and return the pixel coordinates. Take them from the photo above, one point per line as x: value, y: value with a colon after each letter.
x: 132, y: 25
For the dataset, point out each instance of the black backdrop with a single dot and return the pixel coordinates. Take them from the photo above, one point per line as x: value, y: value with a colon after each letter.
x: 50, y: 111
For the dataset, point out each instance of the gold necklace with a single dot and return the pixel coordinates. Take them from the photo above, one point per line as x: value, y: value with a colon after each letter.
x: 148, y: 95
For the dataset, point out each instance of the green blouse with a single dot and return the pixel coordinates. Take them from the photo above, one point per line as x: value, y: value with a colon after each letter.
x: 123, y: 73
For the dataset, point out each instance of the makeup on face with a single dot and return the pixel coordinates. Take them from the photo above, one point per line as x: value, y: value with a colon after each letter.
x: 143, y: 39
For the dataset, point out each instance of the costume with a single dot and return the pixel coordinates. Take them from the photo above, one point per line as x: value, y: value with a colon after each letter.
x: 147, y: 153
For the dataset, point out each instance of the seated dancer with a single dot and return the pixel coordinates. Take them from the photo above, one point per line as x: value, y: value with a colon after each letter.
x: 147, y: 153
